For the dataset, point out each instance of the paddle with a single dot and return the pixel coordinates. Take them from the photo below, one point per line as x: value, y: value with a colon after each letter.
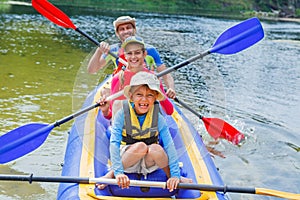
x: 154, y: 184
x: 58, y: 17
x: 29, y: 137
x: 217, y: 128
x: 231, y: 41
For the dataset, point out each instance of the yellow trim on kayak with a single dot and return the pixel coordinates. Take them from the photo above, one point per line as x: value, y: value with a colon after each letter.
x: 124, y: 198
x: 88, y: 149
x: 199, y: 166
x: 92, y: 195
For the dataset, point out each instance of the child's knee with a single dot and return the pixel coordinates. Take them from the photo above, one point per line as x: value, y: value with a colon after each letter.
x: 141, y: 147
x: 155, y: 149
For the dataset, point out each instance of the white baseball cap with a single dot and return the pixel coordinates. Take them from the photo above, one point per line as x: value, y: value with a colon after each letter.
x: 145, y: 78
x: 124, y: 20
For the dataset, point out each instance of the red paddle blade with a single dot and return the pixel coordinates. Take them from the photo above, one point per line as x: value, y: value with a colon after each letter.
x: 218, y: 128
x: 53, y: 13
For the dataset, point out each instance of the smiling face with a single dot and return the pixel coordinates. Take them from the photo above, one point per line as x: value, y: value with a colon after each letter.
x: 143, y: 98
x: 125, y: 30
x: 135, y: 55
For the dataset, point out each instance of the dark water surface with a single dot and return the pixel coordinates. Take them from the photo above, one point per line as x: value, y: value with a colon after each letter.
x: 43, y: 79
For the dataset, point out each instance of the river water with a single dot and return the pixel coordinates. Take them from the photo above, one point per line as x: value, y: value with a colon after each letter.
x: 43, y: 79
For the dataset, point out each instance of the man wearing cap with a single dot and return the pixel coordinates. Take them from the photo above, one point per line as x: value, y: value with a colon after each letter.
x: 125, y: 26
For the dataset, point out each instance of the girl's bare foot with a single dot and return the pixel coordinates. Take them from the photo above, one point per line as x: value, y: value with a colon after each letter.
x: 101, y: 186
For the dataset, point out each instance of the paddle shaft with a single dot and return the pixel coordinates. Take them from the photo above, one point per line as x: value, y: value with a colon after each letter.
x: 92, y: 40
x: 124, y: 62
x: 155, y: 184
x: 188, y: 107
x: 137, y: 183
x: 97, y: 43
x: 80, y: 112
x: 184, y: 63
x: 60, y: 18
x: 72, y: 116
x: 54, y: 179
x: 84, y: 180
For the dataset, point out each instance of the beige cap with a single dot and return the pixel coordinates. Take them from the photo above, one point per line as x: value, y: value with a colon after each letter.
x: 123, y: 20
x: 133, y: 39
x: 145, y: 78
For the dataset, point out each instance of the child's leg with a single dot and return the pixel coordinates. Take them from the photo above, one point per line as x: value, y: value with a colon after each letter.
x: 134, y: 154
x: 157, y: 155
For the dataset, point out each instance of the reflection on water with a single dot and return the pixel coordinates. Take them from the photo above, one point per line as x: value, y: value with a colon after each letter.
x: 43, y: 79
x: 38, y: 65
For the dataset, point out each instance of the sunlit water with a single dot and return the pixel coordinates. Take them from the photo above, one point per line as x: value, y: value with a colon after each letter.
x: 43, y: 79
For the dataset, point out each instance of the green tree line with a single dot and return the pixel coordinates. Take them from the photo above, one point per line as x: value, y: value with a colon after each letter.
x: 277, y: 8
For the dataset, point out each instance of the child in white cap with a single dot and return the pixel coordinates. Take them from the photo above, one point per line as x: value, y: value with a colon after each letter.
x: 137, y: 129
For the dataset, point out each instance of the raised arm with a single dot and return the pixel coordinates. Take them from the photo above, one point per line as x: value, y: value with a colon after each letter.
x: 169, y: 81
x: 98, y: 59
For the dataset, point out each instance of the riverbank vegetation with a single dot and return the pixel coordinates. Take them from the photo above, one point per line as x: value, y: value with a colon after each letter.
x: 214, y: 8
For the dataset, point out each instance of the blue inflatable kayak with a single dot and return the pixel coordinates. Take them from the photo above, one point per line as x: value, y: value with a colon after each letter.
x: 87, y: 155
